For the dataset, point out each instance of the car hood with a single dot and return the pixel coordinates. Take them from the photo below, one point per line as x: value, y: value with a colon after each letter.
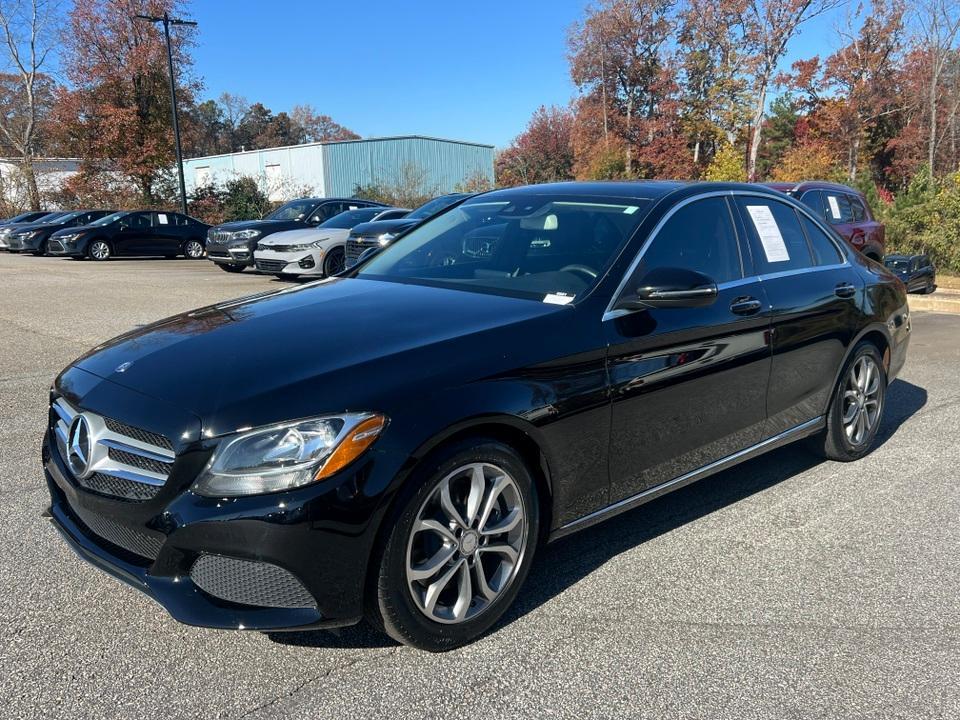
x: 32, y: 227
x: 337, y: 345
x: 291, y: 237
x: 265, y: 225
x: 78, y: 229
x: 379, y: 227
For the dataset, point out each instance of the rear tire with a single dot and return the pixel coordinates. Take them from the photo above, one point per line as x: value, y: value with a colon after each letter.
x: 441, y: 577
x: 230, y: 268
x: 856, y: 408
x: 99, y: 250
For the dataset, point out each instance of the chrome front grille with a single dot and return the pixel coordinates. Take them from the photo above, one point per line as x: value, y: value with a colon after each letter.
x: 114, y: 458
x: 218, y: 237
x: 356, y: 246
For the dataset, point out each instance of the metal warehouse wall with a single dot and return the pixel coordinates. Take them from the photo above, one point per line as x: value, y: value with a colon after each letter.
x: 336, y: 168
x: 442, y: 164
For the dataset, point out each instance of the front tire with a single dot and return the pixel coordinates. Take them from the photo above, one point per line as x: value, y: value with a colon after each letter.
x: 41, y: 250
x: 462, y: 540
x: 99, y: 250
x: 856, y: 409
x: 193, y: 249
x: 335, y: 262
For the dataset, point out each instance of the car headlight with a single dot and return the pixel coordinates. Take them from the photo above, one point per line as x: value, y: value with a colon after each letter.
x: 245, y: 234
x: 308, y: 246
x: 282, y: 457
x: 386, y: 238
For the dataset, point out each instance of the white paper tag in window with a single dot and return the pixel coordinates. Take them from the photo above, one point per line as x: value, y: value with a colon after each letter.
x: 834, y: 207
x: 768, y: 230
x: 558, y: 298
x: 161, y: 218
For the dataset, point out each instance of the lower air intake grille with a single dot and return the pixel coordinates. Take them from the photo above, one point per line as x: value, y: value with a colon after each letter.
x: 122, y: 536
x: 249, y: 583
x: 271, y: 265
x: 119, y: 487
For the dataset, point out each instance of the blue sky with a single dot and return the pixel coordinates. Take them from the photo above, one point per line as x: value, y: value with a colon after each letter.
x: 465, y: 70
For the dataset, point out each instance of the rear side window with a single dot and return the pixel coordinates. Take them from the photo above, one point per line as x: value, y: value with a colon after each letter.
x: 837, y: 209
x: 825, y: 252
x: 777, y: 240
x: 699, y: 236
x: 856, y: 207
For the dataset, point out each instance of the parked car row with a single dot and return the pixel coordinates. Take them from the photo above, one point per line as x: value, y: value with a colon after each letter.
x: 102, y: 234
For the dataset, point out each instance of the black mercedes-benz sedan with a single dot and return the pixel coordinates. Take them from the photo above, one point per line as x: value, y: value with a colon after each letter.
x: 397, y: 442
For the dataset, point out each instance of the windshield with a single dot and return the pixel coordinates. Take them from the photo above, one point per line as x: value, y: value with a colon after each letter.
x: 435, y: 206
x: 350, y: 218
x: 106, y: 220
x: 52, y: 217
x: 293, y: 210
x: 61, y: 218
x: 897, y: 264
x: 544, y: 247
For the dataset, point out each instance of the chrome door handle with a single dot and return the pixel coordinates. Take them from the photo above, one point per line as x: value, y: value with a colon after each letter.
x: 745, y: 306
x: 845, y: 290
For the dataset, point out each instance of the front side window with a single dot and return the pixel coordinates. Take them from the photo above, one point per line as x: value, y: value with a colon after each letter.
x: 777, y: 240
x: 699, y: 237
x: 108, y: 219
x: 539, y: 246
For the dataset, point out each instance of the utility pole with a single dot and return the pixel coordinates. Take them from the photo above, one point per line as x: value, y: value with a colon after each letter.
x: 167, y: 22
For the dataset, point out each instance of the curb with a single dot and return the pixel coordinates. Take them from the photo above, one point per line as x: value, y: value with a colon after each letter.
x: 940, y: 302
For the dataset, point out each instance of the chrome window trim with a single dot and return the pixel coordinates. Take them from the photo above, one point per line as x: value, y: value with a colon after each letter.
x: 612, y: 313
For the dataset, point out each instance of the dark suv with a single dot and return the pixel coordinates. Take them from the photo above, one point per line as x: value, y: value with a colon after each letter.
x: 33, y: 238
x: 165, y: 234
x: 231, y: 244
x: 845, y: 209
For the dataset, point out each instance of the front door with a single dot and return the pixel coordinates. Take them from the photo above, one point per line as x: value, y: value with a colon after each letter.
x: 813, y: 294
x: 135, y: 236
x: 688, y: 384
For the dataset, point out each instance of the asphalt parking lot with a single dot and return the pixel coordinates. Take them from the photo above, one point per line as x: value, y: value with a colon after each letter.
x: 785, y: 588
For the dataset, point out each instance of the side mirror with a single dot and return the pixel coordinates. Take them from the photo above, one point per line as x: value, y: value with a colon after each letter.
x: 672, y: 287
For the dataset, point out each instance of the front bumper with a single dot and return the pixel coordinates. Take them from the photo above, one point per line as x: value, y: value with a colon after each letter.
x: 23, y: 244
x: 238, y: 255
x: 66, y: 248
x: 290, y: 263
x: 155, y: 545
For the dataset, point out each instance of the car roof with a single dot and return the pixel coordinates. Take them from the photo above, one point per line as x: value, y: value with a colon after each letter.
x: 633, y: 189
x: 812, y: 185
x: 337, y: 199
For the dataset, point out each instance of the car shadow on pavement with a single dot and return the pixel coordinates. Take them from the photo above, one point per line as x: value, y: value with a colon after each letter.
x: 562, y: 564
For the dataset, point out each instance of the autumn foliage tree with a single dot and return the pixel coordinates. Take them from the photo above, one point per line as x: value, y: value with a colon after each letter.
x: 116, y: 116
x: 541, y: 153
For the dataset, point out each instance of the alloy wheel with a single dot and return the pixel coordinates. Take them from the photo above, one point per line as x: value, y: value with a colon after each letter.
x: 193, y: 250
x: 335, y: 263
x: 466, y: 544
x: 99, y: 250
x: 861, y: 400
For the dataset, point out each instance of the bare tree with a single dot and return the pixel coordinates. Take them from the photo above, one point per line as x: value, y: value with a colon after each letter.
x: 771, y: 24
x: 937, y: 27
x: 27, y: 30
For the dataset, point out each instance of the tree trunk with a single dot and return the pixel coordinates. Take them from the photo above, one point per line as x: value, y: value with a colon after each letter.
x: 28, y: 172
x: 758, y: 113
x: 853, y: 157
x: 696, y: 152
x: 629, y: 160
x: 932, y: 139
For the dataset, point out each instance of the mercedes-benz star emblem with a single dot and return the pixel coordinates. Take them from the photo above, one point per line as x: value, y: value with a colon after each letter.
x: 79, y: 450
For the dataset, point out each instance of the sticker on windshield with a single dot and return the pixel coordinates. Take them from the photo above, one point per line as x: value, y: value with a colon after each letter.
x: 161, y: 218
x: 834, y: 207
x: 768, y: 230
x: 559, y: 298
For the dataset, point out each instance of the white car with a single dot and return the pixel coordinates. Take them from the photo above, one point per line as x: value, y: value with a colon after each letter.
x: 316, y: 250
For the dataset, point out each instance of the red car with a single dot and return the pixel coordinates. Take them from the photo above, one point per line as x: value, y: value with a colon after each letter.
x: 845, y: 209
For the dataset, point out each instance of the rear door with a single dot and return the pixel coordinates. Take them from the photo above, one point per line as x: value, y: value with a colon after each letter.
x: 166, y: 238
x: 813, y: 292
x: 688, y: 385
